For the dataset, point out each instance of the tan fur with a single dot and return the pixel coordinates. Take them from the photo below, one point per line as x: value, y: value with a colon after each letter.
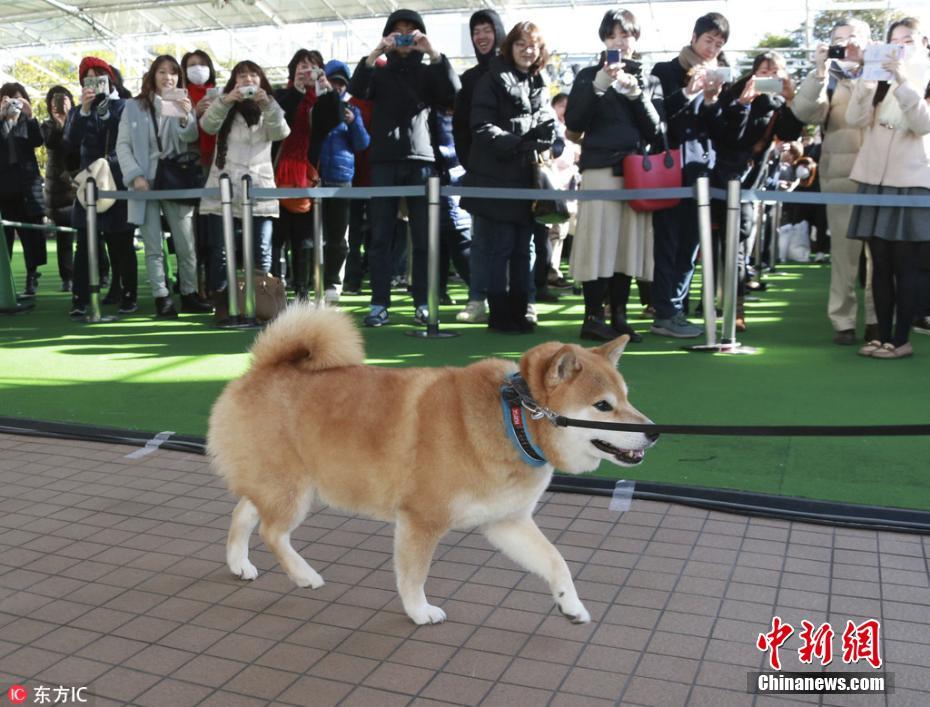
x: 424, y: 448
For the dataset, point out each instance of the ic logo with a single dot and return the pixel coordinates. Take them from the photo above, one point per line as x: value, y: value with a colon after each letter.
x: 18, y: 694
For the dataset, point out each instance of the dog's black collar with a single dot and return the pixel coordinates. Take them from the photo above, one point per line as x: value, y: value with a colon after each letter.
x: 515, y: 396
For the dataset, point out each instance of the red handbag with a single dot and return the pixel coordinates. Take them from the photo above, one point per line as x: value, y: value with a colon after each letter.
x: 645, y: 171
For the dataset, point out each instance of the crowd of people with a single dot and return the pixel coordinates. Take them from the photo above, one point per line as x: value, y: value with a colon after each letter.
x: 403, y: 115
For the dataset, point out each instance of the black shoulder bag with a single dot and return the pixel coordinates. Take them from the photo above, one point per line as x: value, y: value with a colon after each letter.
x: 181, y: 171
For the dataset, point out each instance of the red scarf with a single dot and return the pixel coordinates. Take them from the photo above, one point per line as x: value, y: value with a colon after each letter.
x: 207, y: 141
x: 294, y: 168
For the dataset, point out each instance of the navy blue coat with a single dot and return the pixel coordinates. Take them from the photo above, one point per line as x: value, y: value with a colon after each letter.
x: 92, y: 137
x: 20, y: 178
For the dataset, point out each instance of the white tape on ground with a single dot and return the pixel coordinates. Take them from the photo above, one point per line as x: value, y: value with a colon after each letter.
x: 151, y: 445
x: 622, y: 496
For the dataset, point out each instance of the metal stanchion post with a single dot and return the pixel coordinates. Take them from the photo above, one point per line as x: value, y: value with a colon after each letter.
x: 229, y: 245
x: 760, y: 237
x: 702, y: 198
x: 248, y: 253
x: 93, y: 274
x: 728, y: 342
x: 432, y: 269
x: 773, y: 247
x: 318, y: 251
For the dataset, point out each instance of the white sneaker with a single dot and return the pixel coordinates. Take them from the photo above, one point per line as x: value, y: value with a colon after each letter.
x: 331, y: 296
x: 531, y: 316
x: 475, y: 312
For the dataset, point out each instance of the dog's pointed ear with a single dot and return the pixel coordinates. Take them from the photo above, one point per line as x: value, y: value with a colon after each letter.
x: 612, y: 349
x: 562, y: 367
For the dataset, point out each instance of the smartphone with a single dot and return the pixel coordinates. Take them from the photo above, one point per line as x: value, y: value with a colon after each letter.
x: 613, y: 56
x: 174, y: 94
x: 100, y: 84
x: 212, y: 92
x: 59, y: 102
x: 769, y: 84
x: 836, y: 51
x: 720, y: 74
x: 403, y: 40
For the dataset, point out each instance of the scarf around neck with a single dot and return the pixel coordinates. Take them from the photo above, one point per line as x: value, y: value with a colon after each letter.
x: 689, y: 58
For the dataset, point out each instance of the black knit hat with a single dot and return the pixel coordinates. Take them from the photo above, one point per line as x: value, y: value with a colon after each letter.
x: 403, y: 16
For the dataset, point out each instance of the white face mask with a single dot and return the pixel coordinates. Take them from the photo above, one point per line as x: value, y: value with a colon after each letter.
x: 198, y: 74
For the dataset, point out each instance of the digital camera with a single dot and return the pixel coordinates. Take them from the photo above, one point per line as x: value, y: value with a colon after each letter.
x: 100, y: 84
x: 836, y: 51
x: 613, y: 56
x: 403, y: 40
x: 769, y: 84
x: 248, y: 92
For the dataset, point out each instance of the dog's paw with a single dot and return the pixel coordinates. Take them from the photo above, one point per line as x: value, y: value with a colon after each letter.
x: 243, y: 569
x: 308, y: 577
x: 573, y: 610
x: 427, y: 614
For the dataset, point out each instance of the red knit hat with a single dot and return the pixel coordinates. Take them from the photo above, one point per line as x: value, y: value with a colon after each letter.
x: 92, y: 62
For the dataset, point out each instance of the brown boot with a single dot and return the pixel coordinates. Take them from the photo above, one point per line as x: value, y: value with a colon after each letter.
x: 740, y: 316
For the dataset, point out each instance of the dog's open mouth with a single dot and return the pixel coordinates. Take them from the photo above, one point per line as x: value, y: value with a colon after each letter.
x: 624, y: 456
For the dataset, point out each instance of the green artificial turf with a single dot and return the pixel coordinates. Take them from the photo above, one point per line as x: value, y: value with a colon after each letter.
x: 149, y: 375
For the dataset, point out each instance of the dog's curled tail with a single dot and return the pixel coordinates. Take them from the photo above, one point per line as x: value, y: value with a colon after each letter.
x: 312, y: 338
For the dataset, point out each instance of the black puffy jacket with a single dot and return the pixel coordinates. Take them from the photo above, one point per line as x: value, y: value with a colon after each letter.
x: 613, y: 125
x: 19, y: 169
x: 506, y: 107
x: 402, y: 92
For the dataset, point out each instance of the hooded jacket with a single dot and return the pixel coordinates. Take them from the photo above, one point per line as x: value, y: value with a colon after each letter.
x: 461, y: 130
x: 402, y: 92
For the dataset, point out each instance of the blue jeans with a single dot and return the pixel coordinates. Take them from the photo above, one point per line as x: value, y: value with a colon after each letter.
x: 262, y: 227
x: 509, y: 247
x: 675, y: 248
x: 383, y: 212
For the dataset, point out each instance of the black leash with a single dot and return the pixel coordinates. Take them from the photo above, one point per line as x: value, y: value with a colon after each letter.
x: 753, y: 431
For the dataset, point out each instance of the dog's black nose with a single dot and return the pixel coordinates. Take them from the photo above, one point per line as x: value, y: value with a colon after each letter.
x: 652, y: 436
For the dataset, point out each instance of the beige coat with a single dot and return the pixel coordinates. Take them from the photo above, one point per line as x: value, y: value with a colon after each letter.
x: 248, y: 152
x: 889, y: 157
x: 841, y: 141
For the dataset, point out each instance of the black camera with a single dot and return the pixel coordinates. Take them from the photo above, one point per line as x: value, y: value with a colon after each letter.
x: 836, y: 51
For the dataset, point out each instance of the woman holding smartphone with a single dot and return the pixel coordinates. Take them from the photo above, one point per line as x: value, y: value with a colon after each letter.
x: 245, y: 120
x: 91, y: 130
x: 618, y: 112
x: 894, y: 159
x: 150, y: 130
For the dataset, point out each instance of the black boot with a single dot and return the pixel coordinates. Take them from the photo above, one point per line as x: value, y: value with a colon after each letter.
x: 193, y: 304
x: 164, y: 308
x: 596, y: 329
x: 32, y: 283
x: 518, y: 303
x: 620, y: 326
x: 499, y: 319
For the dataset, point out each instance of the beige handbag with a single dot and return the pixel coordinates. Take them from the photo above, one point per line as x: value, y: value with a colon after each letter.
x: 99, y: 169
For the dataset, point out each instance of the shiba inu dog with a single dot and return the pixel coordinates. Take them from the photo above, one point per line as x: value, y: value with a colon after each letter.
x: 425, y: 448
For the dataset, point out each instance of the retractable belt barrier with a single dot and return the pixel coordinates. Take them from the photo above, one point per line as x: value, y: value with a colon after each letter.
x: 48, y: 227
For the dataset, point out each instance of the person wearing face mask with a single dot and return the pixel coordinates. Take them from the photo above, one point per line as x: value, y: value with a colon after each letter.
x: 487, y: 33
x: 403, y: 92
x: 246, y: 121
x: 198, y: 77
x: 691, y: 90
x: 20, y: 180
x: 894, y: 159
x: 822, y: 99
x: 617, y: 111
x: 149, y: 131
x: 91, y: 131
x: 512, y: 122
x: 293, y: 165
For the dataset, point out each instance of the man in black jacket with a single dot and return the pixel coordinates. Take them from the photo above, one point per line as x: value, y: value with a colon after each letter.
x: 487, y: 33
x: 691, y: 108
x: 403, y: 92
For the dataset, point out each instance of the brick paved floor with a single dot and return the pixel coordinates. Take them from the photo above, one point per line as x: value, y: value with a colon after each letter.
x: 112, y: 576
